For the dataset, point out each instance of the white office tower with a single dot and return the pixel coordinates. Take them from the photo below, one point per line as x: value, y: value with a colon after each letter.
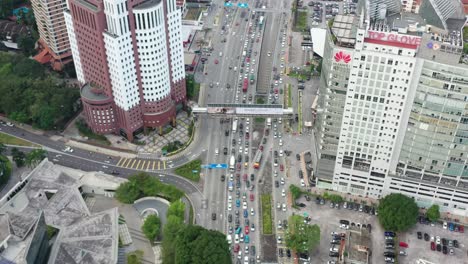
x: 392, y: 107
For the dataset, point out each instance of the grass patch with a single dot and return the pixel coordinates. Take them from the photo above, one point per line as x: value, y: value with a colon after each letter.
x: 259, y: 120
x: 266, y: 214
x: 85, y: 131
x: 301, y: 21
x: 186, y: 170
x: 260, y: 100
x: 51, y: 231
x: 193, y: 13
x: 289, y: 95
x: 11, y: 140
x: 192, y: 87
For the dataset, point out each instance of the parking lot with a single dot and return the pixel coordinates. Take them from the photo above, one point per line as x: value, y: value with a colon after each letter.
x: 328, y: 221
x: 420, y: 249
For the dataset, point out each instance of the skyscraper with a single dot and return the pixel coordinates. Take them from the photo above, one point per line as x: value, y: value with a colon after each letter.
x: 129, y: 58
x: 391, y: 107
x: 53, y: 38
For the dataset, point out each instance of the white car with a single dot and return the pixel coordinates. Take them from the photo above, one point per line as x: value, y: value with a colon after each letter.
x: 230, y: 197
x: 229, y: 207
x: 302, y: 183
x: 280, y: 224
x: 283, y: 193
x: 276, y: 173
x: 67, y: 149
x: 252, y: 212
x: 281, y: 153
x: 229, y: 239
x: 280, y: 142
x: 244, y: 205
x: 236, y: 239
x: 240, y: 149
x: 246, y: 259
x: 278, y: 206
x: 246, y: 151
x: 279, y: 240
x: 282, y: 181
x: 217, y: 151
x: 445, y: 225
x: 284, y: 207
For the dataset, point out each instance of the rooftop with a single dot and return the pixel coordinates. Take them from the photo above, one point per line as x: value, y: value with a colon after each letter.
x: 54, y: 193
x: 344, y: 29
x: 358, y: 246
x: 93, y: 94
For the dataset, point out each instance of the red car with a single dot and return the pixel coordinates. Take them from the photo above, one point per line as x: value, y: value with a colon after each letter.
x: 267, y: 132
x: 281, y: 167
x: 461, y: 229
x: 246, y: 230
x: 403, y: 244
x: 216, y: 61
x: 244, y: 177
x: 261, y: 148
x: 433, y: 246
x: 238, y: 166
x: 248, y: 59
x: 247, y: 135
x: 276, y: 91
x: 252, y: 197
x: 236, y: 248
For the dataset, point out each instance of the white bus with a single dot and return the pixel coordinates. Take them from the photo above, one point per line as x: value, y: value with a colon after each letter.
x: 234, y: 126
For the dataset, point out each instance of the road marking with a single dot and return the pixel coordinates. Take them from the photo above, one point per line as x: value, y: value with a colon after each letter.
x: 133, y: 163
x: 124, y: 162
x: 143, y: 164
x: 154, y: 163
x: 159, y: 165
x: 147, y: 167
x: 119, y: 161
x: 164, y: 164
x: 138, y: 164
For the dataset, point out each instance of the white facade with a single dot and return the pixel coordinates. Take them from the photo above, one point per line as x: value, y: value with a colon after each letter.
x: 152, y: 49
x: 373, y: 120
x: 74, y: 47
x: 176, y: 49
x: 120, y: 56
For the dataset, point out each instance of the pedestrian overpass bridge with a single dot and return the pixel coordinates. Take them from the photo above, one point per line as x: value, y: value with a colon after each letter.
x: 244, y: 110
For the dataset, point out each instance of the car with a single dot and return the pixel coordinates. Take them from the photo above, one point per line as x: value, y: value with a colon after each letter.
x: 455, y: 243
x: 301, y: 205
x: 252, y: 250
x: 451, y: 227
x: 252, y: 197
x: 237, y: 203
x: 419, y: 234
x: 252, y: 177
x: 246, y: 229
x: 281, y: 144
x: 278, y: 205
x: 433, y: 246
x: 246, y: 213
x: 302, y: 183
x: 284, y: 207
x: 229, y: 207
x: 281, y: 167
x: 444, y: 225
x: 389, y: 259
x: 236, y: 248
x: 461, y: 229
x: 426, y: 237
x: 389, y: 233
x: 230, y: 218
x: 444, y: 250
x: 298, y: 157
x: 282, y: 181
x: 280, y: 252
x: 280, y: 224
x: 444, y: 242
x: 279, y: 240
x: 437, y: 239
x: 276, y: 184
x: 283, y: 193
x: 252, y: 212
x: 332, y: 205
x: 333, y: 254
x: 439, y: 247
x: 213, y: 216
x: 389, y: 254
x: 451, y: 251
x: 288, y: 253
x: 223, y: 177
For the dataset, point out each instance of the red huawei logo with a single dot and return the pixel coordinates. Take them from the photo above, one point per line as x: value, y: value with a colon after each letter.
x: 341, y: 56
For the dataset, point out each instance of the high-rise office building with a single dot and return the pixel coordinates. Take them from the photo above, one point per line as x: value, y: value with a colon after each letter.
x: 392, y: 109
x: 53, y: 38
x: 129, y: 57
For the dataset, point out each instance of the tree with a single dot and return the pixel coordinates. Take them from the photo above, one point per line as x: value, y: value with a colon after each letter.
x: 170, y: 230
x: 134, y: 257
x: 177, y: 208
x: 197, y: 245
x: 2, y: 148
x: 300, y: 236
x: 295, y: 191
x: 128, y: 192
x: 397, y: 212
x: 151, y: 227
x: 18, y: 157
x: 433, y: 212
x: 34, y: 157
x: 27, y: 44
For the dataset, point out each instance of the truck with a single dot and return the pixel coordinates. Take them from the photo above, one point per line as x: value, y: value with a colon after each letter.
x: 257, y: 160
x: 234, y: 126
x: 246, y: 85
x: 252, y: 79
x: 232, y: 163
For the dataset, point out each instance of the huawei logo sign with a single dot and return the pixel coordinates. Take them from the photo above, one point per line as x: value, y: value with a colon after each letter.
x: 341, y: 56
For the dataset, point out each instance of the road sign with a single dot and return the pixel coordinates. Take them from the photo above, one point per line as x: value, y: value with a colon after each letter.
x: 228, y: 4
x: 215, y: 166
x: 194, y: 171
x: 242, y: 5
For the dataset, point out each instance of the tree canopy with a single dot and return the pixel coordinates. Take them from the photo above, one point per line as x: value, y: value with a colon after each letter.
x: 2, y: 148
x: 18, y: 157
x: 295, y: 191
x: 30, y: 96
x: 197, y: 245
x: 143, y: 184
x: 433, y: 213
x: 35, y: 157
x: 176, y: 208
x: 397, y: 212
x: 151, y: 227
x: 300, y: 236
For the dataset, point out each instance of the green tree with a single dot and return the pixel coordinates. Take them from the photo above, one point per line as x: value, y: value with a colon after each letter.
x: 27, y: 45
x: 18, y: 157
x: 151, y: 227
x: 128, y: 192
x: 2, y: 148
x: 134, y: 257
x: 177, y: 208
x: 300, y: 236
x: 197, y: 245
x: 295, y: 191
x: 35, y: 157
x: 433, y: 212
x: 397, y: 212
x: 170, y: 230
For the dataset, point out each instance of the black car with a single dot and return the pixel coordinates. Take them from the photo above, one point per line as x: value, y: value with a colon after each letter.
x: 444, y: 249
x: 288, y: 253
x: 317, y: 200
x: 298, y: 157
x: 252, y: 250
x: 230, y: 218
x: 239, y: 158
x: 455, y: 243
x: 225, y: 151
x: 233, y: 141
x: 301, y: 205
x: 334, y: 254
x: 247, y: 222
x: 264, y: 140
x: 301, y: 175
x: 115, y: 172
x: 223, y: 177
x: 276, y: 184
x: 439, y: 247
x: 426, y: 237
x: 213, y: 216
x: 335, y: 242
x: 252, y: 177
x: 419, y: 235
x: 444, y: 242
x: 369, y: 227
x: 280, y: 252
x: 389, y: 254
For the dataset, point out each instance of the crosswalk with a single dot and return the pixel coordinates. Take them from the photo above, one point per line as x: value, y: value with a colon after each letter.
x: 141, y: 164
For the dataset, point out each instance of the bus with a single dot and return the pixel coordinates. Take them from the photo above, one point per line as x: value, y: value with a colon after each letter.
x: 246, y: 85
x: 234, y: 126
x: 257, y: 160
x: 260, y: 21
